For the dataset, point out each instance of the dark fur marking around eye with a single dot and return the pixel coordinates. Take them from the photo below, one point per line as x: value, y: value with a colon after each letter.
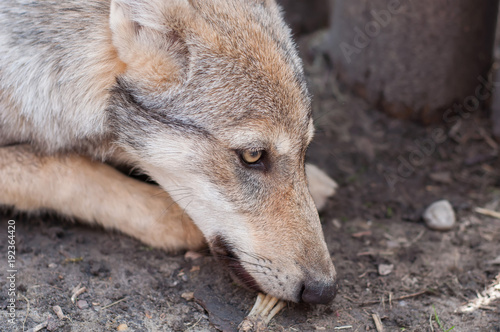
x: 125, y: 98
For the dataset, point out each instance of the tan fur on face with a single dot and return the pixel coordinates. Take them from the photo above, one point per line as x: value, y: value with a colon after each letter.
x: 245, y: 90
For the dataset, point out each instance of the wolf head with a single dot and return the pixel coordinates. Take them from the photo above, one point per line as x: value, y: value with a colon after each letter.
x: 213, y: 105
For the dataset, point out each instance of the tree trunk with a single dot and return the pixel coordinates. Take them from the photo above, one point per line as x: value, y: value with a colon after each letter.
x: 414, y: 59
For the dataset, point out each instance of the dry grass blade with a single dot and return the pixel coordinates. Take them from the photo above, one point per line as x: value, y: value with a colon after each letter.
x: 114, y: 303
x: 404, y: 297
x: 39, y: 327
x: 489, y: 213
x: 27, y: 310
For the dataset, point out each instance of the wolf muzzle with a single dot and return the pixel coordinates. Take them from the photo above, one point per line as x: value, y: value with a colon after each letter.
x: 311, y: 291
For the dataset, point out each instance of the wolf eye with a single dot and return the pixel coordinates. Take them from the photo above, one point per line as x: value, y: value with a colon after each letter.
x: 251, y: 156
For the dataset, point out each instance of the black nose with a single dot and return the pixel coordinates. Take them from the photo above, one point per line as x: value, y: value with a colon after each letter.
x: 318, y: 292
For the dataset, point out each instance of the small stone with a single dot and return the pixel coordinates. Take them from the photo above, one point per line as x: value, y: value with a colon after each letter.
x: 391, y: 244
x: 321, y: 186
x: 122, y: 327
x: 192, y: 255
x: 82, y: 304
x: 57, y: 309
x: 336, y: 223
x: 188, y: 296
x: 441, y: 177
x: 385, y: 269
x: 52, y: 265
x: 440, y: 216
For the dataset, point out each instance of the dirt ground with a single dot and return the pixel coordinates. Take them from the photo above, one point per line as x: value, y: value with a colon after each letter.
x: 438, y: 281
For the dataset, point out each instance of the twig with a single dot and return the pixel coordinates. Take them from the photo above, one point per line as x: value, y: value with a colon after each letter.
x: 194, y: 324
x: 27, y: 310
x: 366, y: 272
x: 489, y: 213
x: 73, y: 260
x: 77, y: 291
x: 485, y: 307
x: 39, y: 327
x: 112, y: 304
x: 349, y: 298
x: 425, y: 291
x: 343, y: 327
x: 378, y: 323
x: 65, y: 254
x: 58, y: 311
x: 361, y: 234
x: 375, y: 253
x: 415, y: 240
x: 490, y: 141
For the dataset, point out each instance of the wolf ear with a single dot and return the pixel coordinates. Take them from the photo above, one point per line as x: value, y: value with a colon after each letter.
x: 149, y: 37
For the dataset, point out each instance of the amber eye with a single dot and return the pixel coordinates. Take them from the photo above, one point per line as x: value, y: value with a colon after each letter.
x: 251, y: 156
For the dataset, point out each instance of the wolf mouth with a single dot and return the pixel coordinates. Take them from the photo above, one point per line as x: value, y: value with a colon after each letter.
x: 225, y: 252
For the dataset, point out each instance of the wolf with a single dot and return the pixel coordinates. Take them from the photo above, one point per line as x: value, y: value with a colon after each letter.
x: 207, y: 98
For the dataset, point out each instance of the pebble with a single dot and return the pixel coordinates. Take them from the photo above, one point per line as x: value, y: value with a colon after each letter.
x: 57, y: 309
x: 192, y: 255
x: 122, y: 327
x: 440, y: 216
x: 385, y: 269
x: 442, y: 177
x: 336, y: 223
x: 82, y: 304
x: 188, y: 296
x: 321, y: 186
